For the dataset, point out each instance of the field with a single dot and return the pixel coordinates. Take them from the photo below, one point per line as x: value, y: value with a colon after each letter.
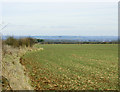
x: 73, y: 66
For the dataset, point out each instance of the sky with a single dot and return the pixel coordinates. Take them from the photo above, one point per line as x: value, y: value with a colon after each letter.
x: 60, y: 18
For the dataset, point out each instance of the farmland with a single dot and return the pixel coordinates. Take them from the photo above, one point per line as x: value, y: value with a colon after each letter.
x: 73, y: 66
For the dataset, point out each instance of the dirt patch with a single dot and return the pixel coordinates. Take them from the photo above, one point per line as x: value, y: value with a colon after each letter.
x: 76, y: 56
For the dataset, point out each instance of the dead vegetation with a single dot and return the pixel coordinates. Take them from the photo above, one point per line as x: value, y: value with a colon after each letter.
x: 13, y: 71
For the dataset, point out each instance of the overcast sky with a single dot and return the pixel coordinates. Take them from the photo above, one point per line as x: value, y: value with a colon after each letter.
x: 61, y: 18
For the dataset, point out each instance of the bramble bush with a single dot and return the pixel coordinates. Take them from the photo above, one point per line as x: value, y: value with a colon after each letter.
x: 22, y: 42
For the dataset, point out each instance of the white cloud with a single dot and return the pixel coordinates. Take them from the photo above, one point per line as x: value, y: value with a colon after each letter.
x: 60, y: 18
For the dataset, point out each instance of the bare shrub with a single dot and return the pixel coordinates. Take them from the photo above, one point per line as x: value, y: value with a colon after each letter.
x: 24, y: 42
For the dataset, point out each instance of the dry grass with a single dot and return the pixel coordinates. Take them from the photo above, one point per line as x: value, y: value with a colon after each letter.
x: 0, y: 61
x: 13, y: 70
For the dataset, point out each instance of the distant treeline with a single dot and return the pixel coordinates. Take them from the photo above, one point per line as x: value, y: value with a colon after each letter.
x: 79, y: 42
x: 29, y: 42
x: 74, y: 42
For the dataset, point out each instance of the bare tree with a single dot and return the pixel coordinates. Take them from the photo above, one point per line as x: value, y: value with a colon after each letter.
x: 2, y: 26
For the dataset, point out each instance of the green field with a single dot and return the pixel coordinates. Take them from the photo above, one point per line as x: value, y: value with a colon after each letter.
x: 73, y: 66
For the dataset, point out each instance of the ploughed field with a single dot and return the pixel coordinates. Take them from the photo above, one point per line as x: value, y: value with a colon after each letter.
x: 73, y: 66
